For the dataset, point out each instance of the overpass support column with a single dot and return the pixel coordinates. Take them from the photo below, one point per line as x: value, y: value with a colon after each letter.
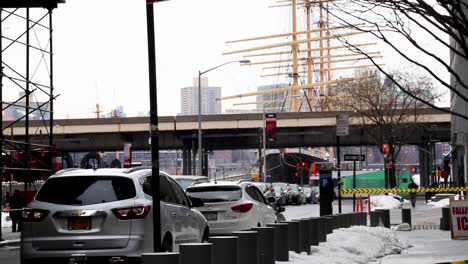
x: 194, y: 161
x: 425, y: 161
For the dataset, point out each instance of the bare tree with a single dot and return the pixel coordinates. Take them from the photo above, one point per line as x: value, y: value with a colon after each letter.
x: 443, y: 21
x: 388, y: 115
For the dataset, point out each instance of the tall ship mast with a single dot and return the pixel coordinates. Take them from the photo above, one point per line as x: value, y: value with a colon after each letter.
x: 318, y: 55
x: 313, y: 55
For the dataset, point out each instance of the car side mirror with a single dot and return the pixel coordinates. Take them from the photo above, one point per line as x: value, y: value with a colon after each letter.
x: 196, y: 202
x: 271, y: 200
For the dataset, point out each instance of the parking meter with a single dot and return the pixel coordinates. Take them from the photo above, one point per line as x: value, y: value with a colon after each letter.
x: 326, y: 192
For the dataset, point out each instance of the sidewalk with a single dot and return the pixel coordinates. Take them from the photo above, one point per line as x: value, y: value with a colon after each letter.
x: 9, y: 238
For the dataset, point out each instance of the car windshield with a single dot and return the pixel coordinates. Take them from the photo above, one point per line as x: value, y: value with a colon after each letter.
x: 284, y: 186
x: 294, y: 187
x: 277, y: 189
x: 316, y: 189
x: 260, y: 186
x: 307, y: 190
x: 215, y: 194
x: 86, y: 190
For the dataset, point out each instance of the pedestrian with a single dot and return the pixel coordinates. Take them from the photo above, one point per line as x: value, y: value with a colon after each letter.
x: 16, y: 204
x: 413, y: 185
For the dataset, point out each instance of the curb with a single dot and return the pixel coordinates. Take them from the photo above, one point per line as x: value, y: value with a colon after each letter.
x: 10, y: 243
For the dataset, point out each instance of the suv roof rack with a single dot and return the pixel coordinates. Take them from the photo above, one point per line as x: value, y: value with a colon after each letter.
x: 130, y: 170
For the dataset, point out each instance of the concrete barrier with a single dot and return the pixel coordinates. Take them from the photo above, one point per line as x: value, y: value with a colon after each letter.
x: 266, y: 244
x: 376, y: 218
x: 294, y: 236
x: 195, y: 253
x: 161, y: 257
x: 225, y: 249
x: 247, y: 247
x: 445, y: 220
x: 314, y: 231
x: 304, y: 226
x: 281, y: 241
x: 322, y: 229
x: 385, y: 217
x: 406, y: 216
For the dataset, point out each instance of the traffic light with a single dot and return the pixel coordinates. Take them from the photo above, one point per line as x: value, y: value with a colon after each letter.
x: 303, y: 164
x: 270, y: 127
x: 385, y: 148
x: 414, y: 170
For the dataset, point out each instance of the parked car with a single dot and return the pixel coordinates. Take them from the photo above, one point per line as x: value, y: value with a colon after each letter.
x: 186, y: 180
x: 311, y: 194
x: 233, y: 206
x: 104, y: 216
x: 295, y: 194
x: 280, y: 193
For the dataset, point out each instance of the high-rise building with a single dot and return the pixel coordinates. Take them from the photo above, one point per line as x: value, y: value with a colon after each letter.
x: 17, y: 110
x: 276, y: 101
x: 189, y: 99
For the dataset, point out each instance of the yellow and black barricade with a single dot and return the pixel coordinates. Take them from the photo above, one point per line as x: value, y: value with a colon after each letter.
x: 402, y: 190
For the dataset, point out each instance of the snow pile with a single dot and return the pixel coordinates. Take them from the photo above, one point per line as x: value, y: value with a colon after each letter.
x: 6, y: 221
x: 357, y: 244
x: 443, y: 202
x: 384, y: 202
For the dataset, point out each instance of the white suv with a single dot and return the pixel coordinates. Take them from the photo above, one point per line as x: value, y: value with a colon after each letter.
x: 102, y: 215
x: 231, y: 206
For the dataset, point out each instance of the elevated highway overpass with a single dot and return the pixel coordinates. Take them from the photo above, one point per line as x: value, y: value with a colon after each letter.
x: 227, y: 131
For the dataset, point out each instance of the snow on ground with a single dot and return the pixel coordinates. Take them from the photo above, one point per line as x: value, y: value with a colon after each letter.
x: 385, y: 202
x: 6, y: 222
x: 443, y: 202
x: 357, y: 244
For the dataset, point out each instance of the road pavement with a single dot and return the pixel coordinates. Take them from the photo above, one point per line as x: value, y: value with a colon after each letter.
x: 423, y: 217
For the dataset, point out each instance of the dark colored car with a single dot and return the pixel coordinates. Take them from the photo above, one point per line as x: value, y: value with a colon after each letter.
x: 311, y: 194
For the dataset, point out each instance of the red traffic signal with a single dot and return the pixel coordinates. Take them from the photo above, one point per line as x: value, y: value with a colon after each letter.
x: 385, y: 148
x: 414, y: 169
x: 303, y: 164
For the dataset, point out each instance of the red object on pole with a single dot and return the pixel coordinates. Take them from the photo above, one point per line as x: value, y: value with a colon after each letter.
x: 368, y: 203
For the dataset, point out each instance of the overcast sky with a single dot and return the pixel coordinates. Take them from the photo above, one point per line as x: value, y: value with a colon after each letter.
x: 100, y: 51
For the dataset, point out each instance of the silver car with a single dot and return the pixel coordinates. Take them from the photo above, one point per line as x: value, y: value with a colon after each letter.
x: 232, y: 206
x: 104, y: 216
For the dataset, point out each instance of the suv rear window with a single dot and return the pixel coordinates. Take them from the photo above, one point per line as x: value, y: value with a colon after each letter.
x: 216, y: 194
x: 86, y: 190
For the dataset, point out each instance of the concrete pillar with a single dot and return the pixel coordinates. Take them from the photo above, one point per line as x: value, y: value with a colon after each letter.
x: 247, y: 247
x: 406, y: 216
x: 225, y: 249
x: 161, y: 257
x: 305, y: 238
x: 281, y: 241
x: 266, y: 244
x: 294, y: 236
x: 195, y: 253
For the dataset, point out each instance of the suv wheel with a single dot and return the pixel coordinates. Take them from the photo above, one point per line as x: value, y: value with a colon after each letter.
x: 167, y: 244
x: 206, y: 236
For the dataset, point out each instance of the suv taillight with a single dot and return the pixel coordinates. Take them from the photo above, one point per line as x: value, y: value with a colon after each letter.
x: 135, y: 212
x: 242, y: 208
x: 34, y: 215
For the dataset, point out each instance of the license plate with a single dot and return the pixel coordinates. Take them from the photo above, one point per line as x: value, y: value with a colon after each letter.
x: 81, y: 223
x: 210, y: 216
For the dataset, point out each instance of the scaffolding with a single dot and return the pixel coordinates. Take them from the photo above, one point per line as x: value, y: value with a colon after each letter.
x: 26, y: 89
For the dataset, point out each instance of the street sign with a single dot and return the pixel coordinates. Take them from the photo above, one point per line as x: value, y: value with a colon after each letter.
x: 459, y: 218
x: 342, y: 125
x: 354, y: 157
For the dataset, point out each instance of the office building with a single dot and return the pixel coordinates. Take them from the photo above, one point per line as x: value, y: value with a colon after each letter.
x: 189, y: 99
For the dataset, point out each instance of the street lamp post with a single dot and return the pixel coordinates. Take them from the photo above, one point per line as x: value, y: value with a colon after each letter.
x: 200, y: 73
